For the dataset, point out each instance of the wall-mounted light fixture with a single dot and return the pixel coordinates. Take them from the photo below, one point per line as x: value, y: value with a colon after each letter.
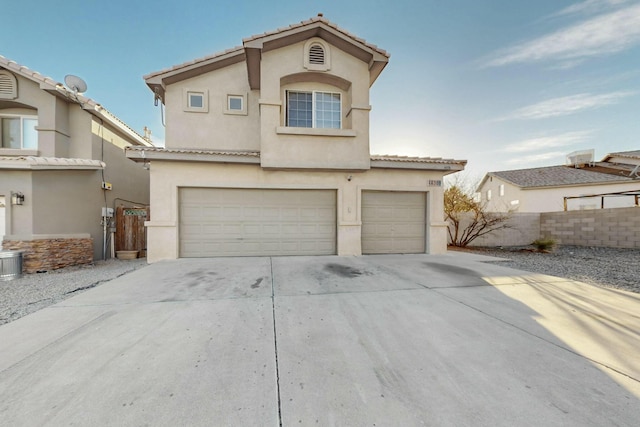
x: 17, y: 198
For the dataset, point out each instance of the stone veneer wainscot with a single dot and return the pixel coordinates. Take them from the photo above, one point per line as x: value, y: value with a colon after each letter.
x: 53, y: 253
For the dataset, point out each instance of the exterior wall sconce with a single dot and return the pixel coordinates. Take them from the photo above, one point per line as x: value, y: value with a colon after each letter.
x: 17, y: 198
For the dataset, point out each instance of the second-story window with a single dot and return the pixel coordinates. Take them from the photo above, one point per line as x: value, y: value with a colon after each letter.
x: 196, y: 100
x: 314, y: 109
x: 235, y: 103
x: 19, y: 132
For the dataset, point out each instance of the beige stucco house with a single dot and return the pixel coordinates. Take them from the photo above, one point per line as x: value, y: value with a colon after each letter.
x: 614, y: 182
x: 267, y: 153
x: 57, y: 149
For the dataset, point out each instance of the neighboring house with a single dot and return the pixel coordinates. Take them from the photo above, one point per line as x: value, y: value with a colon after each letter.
x: 267, y: 153
x: 624, y: 159
x: 57, y: 148
x: 544, y: 189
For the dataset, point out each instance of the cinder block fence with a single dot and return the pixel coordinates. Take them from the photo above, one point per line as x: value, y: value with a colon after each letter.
x: 612, y: 228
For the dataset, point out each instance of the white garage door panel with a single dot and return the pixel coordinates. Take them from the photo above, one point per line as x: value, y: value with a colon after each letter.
x: 393, y: 222
x: 247, y: 222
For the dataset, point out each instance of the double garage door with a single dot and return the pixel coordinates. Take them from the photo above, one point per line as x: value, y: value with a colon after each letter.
x: 258, y: 222
x: 247, y: 222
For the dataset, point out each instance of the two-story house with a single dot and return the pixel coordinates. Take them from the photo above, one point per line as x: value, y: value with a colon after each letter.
x: 62, y: 163
x: 267, y: 153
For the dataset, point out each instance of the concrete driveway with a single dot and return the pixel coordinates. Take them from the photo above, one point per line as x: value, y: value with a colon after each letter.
x: 365, y: 341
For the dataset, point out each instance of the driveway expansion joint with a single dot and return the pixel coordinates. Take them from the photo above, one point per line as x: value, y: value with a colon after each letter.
x: 275, y: 342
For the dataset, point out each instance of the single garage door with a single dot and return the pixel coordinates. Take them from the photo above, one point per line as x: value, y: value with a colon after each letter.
x: 246, y: 222
x: 393, y: 222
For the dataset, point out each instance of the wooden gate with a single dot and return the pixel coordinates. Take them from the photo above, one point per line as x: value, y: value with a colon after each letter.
x: 131, y: 234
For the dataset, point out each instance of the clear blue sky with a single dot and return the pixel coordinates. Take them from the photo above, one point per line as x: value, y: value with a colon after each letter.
x: 505, y: 84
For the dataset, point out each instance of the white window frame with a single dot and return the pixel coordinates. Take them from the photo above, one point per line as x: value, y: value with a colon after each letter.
x: 243, y: 103
x: 186, y: 100
x: 488, y: 195
x: 22, y: 118
x: 313, y: 107
x: 501, y: 190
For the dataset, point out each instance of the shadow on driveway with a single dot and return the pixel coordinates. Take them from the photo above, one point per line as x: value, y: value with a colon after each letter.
x: 374, y: 340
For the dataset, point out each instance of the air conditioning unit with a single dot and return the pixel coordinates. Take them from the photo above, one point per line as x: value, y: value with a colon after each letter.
x: 581, y: 158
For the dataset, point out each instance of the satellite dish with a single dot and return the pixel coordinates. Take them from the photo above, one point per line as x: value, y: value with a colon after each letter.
x: 75, y: 83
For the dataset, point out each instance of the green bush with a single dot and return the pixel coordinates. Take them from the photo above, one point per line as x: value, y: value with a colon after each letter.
x: 544, y: 244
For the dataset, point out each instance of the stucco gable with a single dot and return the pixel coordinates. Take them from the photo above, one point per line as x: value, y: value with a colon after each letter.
x: 253, y: 47
x: 315, y: 27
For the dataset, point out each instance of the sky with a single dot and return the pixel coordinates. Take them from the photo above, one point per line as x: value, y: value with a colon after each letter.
x: 503, y: 84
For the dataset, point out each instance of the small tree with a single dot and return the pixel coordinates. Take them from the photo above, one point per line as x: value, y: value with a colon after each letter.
x: 468, y: 218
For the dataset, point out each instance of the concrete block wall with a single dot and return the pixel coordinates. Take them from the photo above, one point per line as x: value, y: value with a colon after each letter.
x: 612, y: 228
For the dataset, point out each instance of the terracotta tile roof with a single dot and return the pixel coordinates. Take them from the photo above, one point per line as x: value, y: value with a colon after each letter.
x: 393, y: 158
x: 554, y: 176
x: 33, y: 162
x: 313, y: 21
x: 237, y: 50
x: 142, y: 154
x: 195, y: 151
x: 71, y: 96
x: 385, y: 157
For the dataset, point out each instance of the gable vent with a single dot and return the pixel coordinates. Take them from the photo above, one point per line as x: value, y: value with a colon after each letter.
x: 316, y: 55
x: 8, y: 86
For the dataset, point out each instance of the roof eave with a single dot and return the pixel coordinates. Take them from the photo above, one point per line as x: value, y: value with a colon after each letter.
x: 375, y: 69
x: 27, y: 164
x: 141, y: 155
x: 583, y: 184
x: 450, y: 167
x: 157, y: 81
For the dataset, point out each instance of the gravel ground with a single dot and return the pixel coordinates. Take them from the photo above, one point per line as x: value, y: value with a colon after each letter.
x: 606, y: 267
x: 32, y: 292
